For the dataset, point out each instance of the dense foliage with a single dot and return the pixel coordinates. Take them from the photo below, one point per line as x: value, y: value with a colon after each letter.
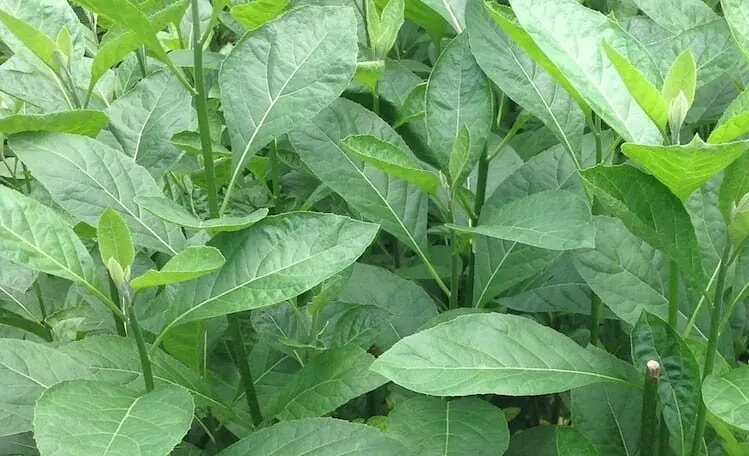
x: 374, y: 227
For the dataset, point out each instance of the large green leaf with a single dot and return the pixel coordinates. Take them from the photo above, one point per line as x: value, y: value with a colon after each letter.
x: 257, y: 12
x: 308, y: 59
x: 316, y: 437
x: 737, y: 14
x: 408, y: 303
x: 495, y: 353
x: 512, y: 70
x: 273, y: 260
x: 145, y: 119
x: 679, y: 381
x: 85, y: 177
x: 610, y: 416
x: 733, y: 122
x: 79, y: 122
x: 400, y: 207
x: 727, y: 396
x: 27, y: 369
x: 650, y: 212
x: 326, y: 382
x: 189, y: 264
x: 172, y: 212
x: 709, y: 226
x: 37, y: 237
x: 551, y: 441
x: 457, y: 95
x: 47, y: 16
x: 553, y: 219
x: 684, y: 168
x: 574, y: 45
x: 88, y: 418
x: 434, y: 426
x: 677, y: 16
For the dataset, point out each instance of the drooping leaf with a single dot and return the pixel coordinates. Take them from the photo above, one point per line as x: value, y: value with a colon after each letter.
x: 650, y: 212
x: 734, y: 121
x: 457, y: 95
x: 326, y: 382
x: 172, y: 212
x: 309, y: 58
x: 495, y: 353
x: 574, y: 46
x: 316, y: 437
x: 273, y: 260
x: 677, y: 15
x: 84, y: 417
x: 27, y: 369
x: 189, y: 264
x: 435, y: 426
x: 79, y: 122
x: 255, y: 13
x: 685, y: 168
x: 392, y: 160
x: 114, y: 239
x: 726, y: 396
x: 679, y: 380
x: 144, y: 120
x: 551, y: 441
x: 554, y: 220
x: 85, y: 177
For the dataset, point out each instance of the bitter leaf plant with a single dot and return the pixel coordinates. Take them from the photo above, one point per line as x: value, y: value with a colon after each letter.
x: 374, y: 227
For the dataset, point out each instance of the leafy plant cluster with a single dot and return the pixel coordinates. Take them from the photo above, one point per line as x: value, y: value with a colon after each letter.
x: 374, y: 227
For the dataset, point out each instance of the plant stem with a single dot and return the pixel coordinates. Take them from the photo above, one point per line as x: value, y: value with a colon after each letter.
x: 712, y: 345
x: 596, y: 304
x: 519, y: 123
x: 478, y: 204
x: 275, y: 174
x: 376, y: 100
x: 119, y: 323
x: 40, y: 299
x: 649, y: 409
x: 140, y: 56
x: 240, y: 355
x: 145, y: 361
x: 455, y: 272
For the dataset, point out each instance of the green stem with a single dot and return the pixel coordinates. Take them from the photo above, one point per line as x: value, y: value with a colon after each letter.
x: 119, y: 323
x: 478, y: 204
x: 240, y: 355
x: 712, y: 345
x: 40, y: 298
x: 376, y: 100
x: 140, y: 56
x: 649, y: 409
x: 596, y: 304
x: 673, y: 295
x: 455, y: 272
x: 201, y: 104
x: 516, y: 127
x: 145, y: 361
x: 275, y: 174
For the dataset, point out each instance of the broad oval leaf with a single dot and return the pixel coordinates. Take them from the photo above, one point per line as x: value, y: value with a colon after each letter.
x: 435, y: 426
x: 685, y: 168
x: 269, y: 262
x: 114, y: 239
x: 316, y: 437
x: 90, y: 418
x: 78, y: 122
x: 308, y: 58
x: 737, y: 14
x: 726, y: 396
x: 610, y: 416
x: 172, y: 212
x: 495, y: 353
x: 551, y: 441
x: 189, y: 264
x: 85, y: 177
x: 554, y: 220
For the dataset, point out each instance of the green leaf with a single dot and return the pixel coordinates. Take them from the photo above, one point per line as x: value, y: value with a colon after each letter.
x: 550, y: 441
x: 679, y: 381
x: 681, y: 78
x: 574, y: 46
x: 360, y: 326
x: 736, y: 13
x: 459, y: 158
x: 310, y: 59
x: 47, y: 17
x: 168, y: 210
x: 316, y: 437
x: 430, y: 425
x: 392, y: 160
x: 114, y: 239
x: 145, y: 118
x: 189, y: 264
x: 734, y: 122
x: 453, y: 11
x: 645, y: 94
x: 738, y: 229
x: 495, y: 353
x: 514, y: 71
x: 256, y: 13
x: 610, y: 416
x: 273, y: 260
x: 85, y: 177
x: 79, y: 122
x: 734, y: 186
x: 38, y: 238
x: 326, y: 382
x: 14, y: 320
x: 189, y: 141
x: 408, y: 303
x: 27, y: 369
x: 458, y: 95
x: 726, y: 396
x: 650, y: 212
x: 553, y: 219
x: 84, y: 417
x: 685, y: 168
x: 388, y: 24
x: 37, y: 42
x: 677, y: 16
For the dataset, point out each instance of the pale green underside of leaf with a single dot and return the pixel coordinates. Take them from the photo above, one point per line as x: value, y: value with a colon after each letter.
x: 189, y: 264
x: 452, y: 11
x: 83, y: 417
x: 85, y: 177
x: 737, y: 14
x: 677, y: 15
x: 494, y: 353
x: 172, y: 212
x: 326, y: 436
x: 727, y: 397
x: 81, y: 122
